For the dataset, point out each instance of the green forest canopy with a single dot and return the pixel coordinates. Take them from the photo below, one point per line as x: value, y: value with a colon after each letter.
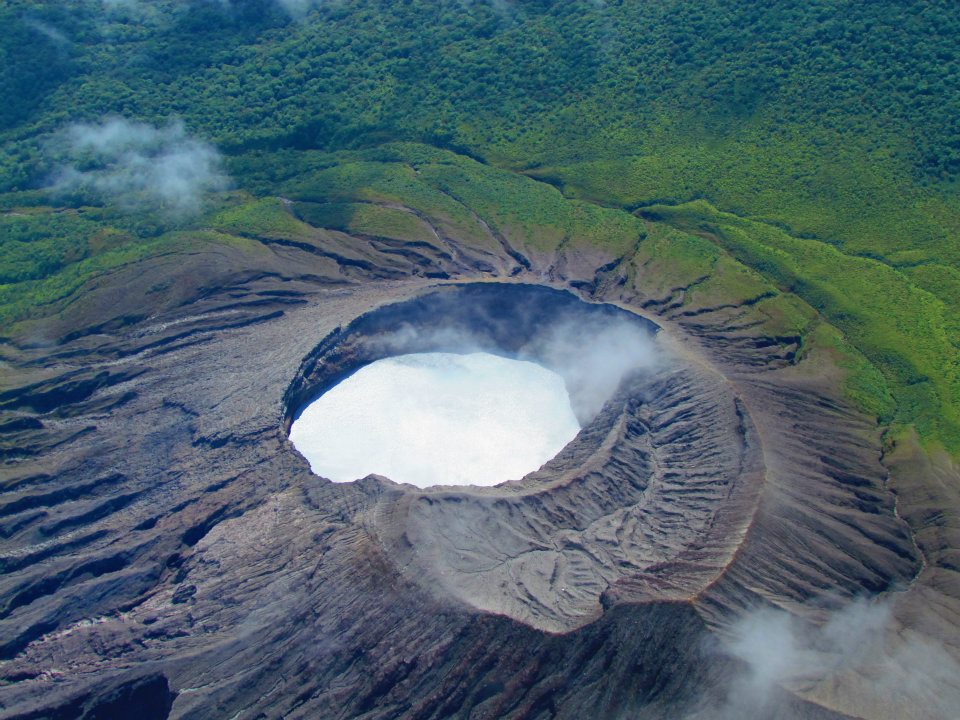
x: 817, y: 142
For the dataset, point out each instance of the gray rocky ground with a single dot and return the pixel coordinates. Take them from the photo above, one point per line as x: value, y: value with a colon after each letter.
x: 165, y: 551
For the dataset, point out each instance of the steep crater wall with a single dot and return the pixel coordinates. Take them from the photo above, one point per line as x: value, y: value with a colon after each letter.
x: 669, y: 465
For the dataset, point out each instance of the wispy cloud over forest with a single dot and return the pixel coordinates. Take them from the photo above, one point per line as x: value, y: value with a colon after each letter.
x: 137, y: 165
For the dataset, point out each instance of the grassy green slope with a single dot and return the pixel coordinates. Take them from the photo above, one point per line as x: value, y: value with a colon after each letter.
x: 906, y: 331
x: 823, y: 137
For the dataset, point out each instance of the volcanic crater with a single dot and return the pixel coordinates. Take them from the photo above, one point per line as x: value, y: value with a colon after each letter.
x: 165, y: 547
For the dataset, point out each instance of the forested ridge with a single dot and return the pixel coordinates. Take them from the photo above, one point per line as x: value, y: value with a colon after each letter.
x: 817, y: 143
x: 505, y: 79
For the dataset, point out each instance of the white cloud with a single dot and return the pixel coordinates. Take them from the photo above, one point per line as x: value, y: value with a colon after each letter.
x: 860, y: 648
x: 137, y: 165
x: 593, y: 357
x: 298, y: 8
x: 48, y: 31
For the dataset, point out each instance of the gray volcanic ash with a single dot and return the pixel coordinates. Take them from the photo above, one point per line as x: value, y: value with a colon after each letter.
x: 166, y: 550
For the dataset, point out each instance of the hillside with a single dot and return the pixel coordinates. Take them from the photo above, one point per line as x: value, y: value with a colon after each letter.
x: 214, y: 211
x: 821, y: 130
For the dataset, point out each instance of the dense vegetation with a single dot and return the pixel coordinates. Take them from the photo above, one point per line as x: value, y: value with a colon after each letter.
x: 816, y: 143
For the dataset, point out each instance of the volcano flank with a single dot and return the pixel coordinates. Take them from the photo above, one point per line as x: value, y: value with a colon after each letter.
x: 168, y: 551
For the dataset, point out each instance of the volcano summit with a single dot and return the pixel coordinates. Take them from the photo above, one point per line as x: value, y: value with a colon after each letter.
x: 482, y: 360
x: 165, y: 537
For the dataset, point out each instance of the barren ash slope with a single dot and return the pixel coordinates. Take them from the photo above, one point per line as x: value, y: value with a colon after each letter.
x: 213, y: 212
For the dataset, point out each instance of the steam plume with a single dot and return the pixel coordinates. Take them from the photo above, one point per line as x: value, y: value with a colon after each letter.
x: 594, y: 359
x: 593, y: 356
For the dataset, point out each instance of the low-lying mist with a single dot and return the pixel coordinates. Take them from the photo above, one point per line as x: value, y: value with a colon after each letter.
x: 895, y: 671
x: 593, y: 359
x: 136, y: 166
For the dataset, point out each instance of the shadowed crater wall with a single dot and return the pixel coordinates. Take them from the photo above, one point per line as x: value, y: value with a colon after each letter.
x: 551, y: 327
